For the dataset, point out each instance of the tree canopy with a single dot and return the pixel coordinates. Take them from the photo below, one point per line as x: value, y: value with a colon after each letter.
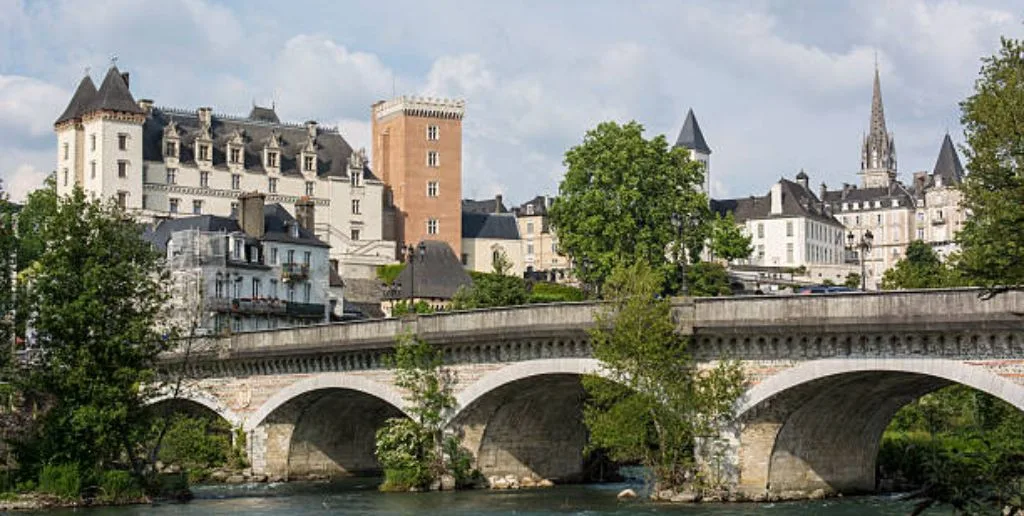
x: 920, y: 268
x: 727, y: 239
x: 499, y: 288
x: 616, y: 201
x: 992, y: 240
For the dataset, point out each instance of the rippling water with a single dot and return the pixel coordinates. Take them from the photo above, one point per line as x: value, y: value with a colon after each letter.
x: 361, y: 497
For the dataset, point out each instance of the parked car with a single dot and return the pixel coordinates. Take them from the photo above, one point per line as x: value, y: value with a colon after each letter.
x: 824, y: 289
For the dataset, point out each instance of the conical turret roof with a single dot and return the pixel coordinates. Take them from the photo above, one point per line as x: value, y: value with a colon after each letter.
x: 79, y: 101
x: 691, y: 137
x: 114, y: 95
x: 948, y: 164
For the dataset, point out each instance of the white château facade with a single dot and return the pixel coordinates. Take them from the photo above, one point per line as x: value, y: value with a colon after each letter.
x: 166, y: 162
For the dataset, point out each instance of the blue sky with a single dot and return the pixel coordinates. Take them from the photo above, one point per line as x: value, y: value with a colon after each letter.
x: 776, y: 86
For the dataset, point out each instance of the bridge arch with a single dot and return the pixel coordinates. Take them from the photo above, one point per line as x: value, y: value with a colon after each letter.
x: 525, y: 419
x: 818, y: 425
x: 324, y: 425
x: 201, y: 398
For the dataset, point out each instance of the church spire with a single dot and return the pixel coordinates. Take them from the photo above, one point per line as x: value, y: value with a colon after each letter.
x: 878, y: 154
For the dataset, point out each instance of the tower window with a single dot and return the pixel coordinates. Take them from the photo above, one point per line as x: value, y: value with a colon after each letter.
x: 65, y: 150
x: 432, y: 189
x: 65, y: 177
x: 272, y: 185
x: 432, y: 226
x: 432, y: 159
x: 355, y: 206
x: 308, y: 163
x: 92, y: 142
x: 204, y: 179
x: 432, y: 132
x: 173, y: 205
x: 122, y: 141
x: 92, y: 169
x: 122, y: 169
x: 236, y: 181
x: 172, y: 176
x: 309, y: 188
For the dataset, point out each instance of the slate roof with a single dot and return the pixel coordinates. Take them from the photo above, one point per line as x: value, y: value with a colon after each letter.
x: 883, y: 194
x: 331, y: 148
x: 539, y: 203
x: 79, y: 101
x: 275, y: 218
x: 439, y: 274
x: 495, y: 205
x: 114, y: 95
x: 490, y: 225
x: 691, y: 137
x: 265, y: 114
x: 797, y: 201
x: 948, y: 163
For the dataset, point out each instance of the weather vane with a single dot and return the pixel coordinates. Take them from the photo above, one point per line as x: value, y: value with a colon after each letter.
x: 113, y: 60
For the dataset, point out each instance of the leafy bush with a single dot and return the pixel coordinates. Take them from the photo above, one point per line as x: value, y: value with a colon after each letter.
x: 196, y: 442
x: 402, y: 449
x: 389, y: 273
x: 554, y: 293
x: 63, y: 481
x: 403, y: 308
x: 119, y: 486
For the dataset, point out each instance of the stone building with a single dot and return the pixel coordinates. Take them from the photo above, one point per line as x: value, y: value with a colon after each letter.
x: 541, y: 256
x: 692, y: 138
x: 488, y: 236
x: 432, y: 275
x: 417, y: 150
x: 171, y: 162
x: 261, y: 270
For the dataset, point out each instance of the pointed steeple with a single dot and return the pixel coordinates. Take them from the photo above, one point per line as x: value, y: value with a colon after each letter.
x: 79, y: 101
x: 948, y: 165
x: 877, y: 110
x: 878, y: 153
x: 691, y: 137
x: 114, y: 95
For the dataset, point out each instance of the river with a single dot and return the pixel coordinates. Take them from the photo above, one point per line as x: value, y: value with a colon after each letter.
x: 361, y: 497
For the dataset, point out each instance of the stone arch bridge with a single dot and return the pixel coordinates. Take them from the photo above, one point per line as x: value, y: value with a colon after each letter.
x: 826, y: 374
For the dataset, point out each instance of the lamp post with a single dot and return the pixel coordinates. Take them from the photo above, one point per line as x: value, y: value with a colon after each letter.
x: 411, y: 255
x: 681, y: 222
x: 863, y: 246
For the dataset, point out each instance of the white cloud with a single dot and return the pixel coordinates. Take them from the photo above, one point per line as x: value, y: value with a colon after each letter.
x: 29, y: 106
x: 23, y: 180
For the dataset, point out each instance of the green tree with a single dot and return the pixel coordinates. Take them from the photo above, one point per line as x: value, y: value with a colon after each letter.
x: 616, y: 202
x: 8, y: 248
x: 499, y: 288
x: 992, y: 240
x: 657, y: 405
x: 416, y: 453
x: 96, y: 292
x: 852, y: 280
x: 727, y: 239
x: 708, y: 279
x: 920, y: 268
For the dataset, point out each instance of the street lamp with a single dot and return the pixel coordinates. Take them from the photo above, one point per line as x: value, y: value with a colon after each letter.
x: 411, y: 255
x: 862, y: 247
x: 681, y: 222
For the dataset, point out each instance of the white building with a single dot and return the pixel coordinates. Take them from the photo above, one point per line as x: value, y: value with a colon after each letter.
x: 262, y: 270
x: 486, y: 236
x: 170, y: 162
x: 691, y: 138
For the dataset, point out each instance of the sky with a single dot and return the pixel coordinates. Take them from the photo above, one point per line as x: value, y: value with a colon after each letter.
x: 776, y: 86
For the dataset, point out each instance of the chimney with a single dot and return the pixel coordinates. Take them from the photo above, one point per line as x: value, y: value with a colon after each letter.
x: 822, y: 190
x: 846, y: 190
x: 777, y: 198
x: 205, y: 116
x: 311, y: 128
x: 146, y: 105
x: 250, y: 213
x: 125, y: 77
x: 305, y: 215
x: 803, y: 180
x: 497, y: 203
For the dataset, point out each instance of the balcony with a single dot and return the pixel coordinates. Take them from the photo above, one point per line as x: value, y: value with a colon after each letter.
x: 246, y: 306
x: 939, y: 221
x: 292, y: 272
x: 306, y: 310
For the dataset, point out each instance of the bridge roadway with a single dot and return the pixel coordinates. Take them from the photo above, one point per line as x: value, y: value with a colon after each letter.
x: 825, y: 373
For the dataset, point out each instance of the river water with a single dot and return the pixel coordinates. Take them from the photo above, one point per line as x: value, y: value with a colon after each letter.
x: 362, y: 497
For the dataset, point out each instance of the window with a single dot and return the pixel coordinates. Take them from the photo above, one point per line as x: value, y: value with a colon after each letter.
x: 920, y: 216
x: 204, y: 152
x: 92, y: 169
x: 238, y: 248
x: 431, y: 188
x: 760, y: 230
x: 197, y: 207
x: 204, y: 179
x: 272, y: 159
x: 122, y: 141
x: 789, y: 228
x: 529, y: 209
x: 218, y: 286
x: 856, y: 220
x: 432, y: 132
x: 465, y: 259
x: 355, y: 206
x: 122, y: 200
x: 306, y: 256
x: 273, y: 256
x: 65, y: 150
x: 173, y: 205
x: 236, y: 155
x: 172, y: 176
x: 431, y: 226
x: 291, y: 293
x: 529, y: 228
x: 291, y: 256
x: 65, y: 177
x: 920, y: 233
x: 789, y: 252
x: 122, y: 169
x: 309, y: 188
x: 272, y: 185
x: 878, y: 219
x: 234, y: 209
x: 355, y: 234
x: 273, y: 289
x: 355, y: 178
x: 432, y: 158
x: 237, y: 288
x: 256, y: 287
x: 306, y: 291
x: 760, y: 252
x: 308, y: 162
x: 145, y: 201
x: 92, y: 142
x: 171, y: 150
x: 895, y: 203
x: 529, y: 248
x: 236, y: 181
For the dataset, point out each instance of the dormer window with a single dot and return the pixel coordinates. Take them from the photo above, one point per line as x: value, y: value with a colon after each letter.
x: 294, y: 230
x: 308, y: 163
x: 529, y: 209
x: 271, y: 159
x: 171, y: 150
x: 235, y: 155
x: 203, y: 151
